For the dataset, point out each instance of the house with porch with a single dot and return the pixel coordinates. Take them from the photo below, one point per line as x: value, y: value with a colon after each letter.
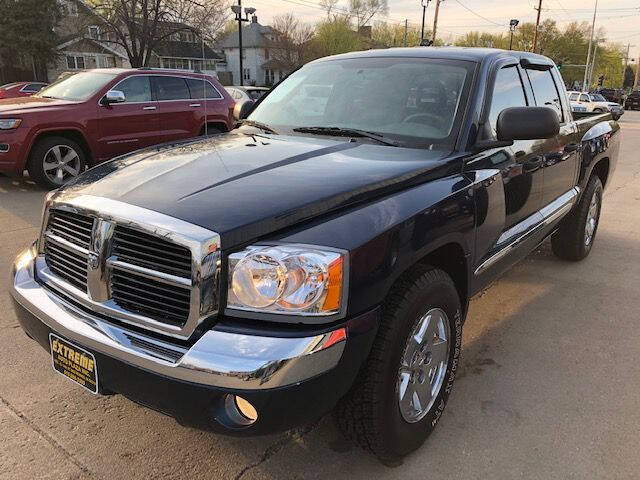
x: 258, y: 65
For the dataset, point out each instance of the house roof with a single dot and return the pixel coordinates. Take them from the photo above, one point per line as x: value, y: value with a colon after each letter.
x: 185, y: 50
x: 253, y: 35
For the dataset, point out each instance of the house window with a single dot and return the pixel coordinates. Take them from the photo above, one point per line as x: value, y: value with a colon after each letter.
x: 266, y: 54
x: 75, y: 62
x: 246, y: 74
x: 269, y: 76
x: 94, y: 32
x: 106, y: 61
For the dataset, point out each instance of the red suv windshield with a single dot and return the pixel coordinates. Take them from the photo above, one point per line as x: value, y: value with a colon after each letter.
x: 78, y: 87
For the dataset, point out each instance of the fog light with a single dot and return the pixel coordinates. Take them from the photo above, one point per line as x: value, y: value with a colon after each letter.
x: 246, y: 409
x: 238, y: 412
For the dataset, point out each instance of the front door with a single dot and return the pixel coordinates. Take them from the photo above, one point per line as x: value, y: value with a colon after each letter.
x: 131, y: 125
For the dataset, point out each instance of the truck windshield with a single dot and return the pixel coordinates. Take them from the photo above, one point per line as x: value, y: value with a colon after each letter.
x: 598, y: 98
x: 414, y: 102
x: 78, y: 87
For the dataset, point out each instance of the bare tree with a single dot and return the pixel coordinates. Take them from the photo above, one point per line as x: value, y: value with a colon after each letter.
x: 364, y: 10
x: 328, y: 5
x: 139, y: 26
x: 291, y: 41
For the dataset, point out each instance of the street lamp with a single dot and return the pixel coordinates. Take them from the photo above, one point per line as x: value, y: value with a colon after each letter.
x: 425, y: 4
x: 237, y: 10
x: 512, y: 28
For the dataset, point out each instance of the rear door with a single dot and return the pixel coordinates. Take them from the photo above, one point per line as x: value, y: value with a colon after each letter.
x: 128, y: 126
x: 178, y: 113
x: 562, y: 155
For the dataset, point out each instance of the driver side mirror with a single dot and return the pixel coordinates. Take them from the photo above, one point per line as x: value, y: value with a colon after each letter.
x: 113, y: 96
x: 242, y: 109
x: 527, y: 123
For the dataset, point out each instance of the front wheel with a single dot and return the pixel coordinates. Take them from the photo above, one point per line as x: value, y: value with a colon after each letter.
x: 574, y: 239
x: 402, y: 390
x: 55, y: 161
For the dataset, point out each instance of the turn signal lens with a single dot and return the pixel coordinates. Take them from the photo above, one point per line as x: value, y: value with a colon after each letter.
x: 287, y: 279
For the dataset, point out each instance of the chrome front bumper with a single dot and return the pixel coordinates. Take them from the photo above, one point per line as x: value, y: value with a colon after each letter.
x: 219, y: 359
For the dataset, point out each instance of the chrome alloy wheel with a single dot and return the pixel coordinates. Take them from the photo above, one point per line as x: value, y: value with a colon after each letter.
x: 424, y: 365
x: 592, y: 219
x: 61, y: 163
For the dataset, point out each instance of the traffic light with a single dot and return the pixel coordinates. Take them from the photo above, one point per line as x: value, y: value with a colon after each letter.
x: 559, y: 66
x: 600, y: 80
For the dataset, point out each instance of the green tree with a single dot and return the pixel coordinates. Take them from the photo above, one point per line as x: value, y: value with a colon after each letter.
x: 27, y: 33
x: 334, y: 35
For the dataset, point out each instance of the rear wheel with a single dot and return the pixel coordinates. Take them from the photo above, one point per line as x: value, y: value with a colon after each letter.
x: 402, y: 390
x: 574, y: 239
x: 54, y: 161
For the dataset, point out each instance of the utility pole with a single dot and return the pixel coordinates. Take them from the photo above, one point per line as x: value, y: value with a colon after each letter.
x: 586, y: 70
x: 593, y: 65
x: 406, y: 26
x: 435, y: 21
x: 535, y: 33
x: 626, y: 63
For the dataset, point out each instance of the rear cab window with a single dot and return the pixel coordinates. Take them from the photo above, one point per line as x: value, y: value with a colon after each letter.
x: 545, y: 91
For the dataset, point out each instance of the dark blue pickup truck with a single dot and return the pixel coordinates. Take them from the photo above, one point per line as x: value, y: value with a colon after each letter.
x: 320, y: 257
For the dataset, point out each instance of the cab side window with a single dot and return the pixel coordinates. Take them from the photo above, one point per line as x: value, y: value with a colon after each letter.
x: 573, y: 97
x: 584, y: 98
x: 545, y: 90
x: 508, y: 91
x: 136, y: 89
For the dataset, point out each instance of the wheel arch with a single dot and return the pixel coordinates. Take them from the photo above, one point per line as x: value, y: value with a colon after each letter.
x: 601, y: 169
x: 70, y: 133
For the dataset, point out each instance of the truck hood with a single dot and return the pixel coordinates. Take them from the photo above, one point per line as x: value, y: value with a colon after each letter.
x: 245, y: 186
x: 20, y: 105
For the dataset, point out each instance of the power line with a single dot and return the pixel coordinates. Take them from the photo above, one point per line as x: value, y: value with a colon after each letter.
x: 477, y: 14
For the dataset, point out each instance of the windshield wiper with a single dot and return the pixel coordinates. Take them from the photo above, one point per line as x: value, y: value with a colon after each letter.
x: 262, y: 126
x: 346, y: 132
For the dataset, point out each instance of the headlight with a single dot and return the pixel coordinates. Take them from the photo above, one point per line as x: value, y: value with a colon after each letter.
x: 9, y: 123
x: 286, y: 279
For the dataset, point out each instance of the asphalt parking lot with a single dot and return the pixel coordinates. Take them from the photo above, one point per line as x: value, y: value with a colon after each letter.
x: 549, y: 385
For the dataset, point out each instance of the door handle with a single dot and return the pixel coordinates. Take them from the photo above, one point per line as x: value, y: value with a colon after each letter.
x: 149, y: 108
x: 571, y: 147
x: 194, y: 105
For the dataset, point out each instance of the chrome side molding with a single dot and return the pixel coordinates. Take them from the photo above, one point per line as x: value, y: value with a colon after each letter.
x: 519, y: 233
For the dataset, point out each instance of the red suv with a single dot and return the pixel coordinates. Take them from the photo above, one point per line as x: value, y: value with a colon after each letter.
x: 99, y: 114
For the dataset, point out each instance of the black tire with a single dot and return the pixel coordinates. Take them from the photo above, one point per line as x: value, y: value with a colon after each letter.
x: 569, y: 241
x: 597, y: 110
x: 370, y: 413
x: 42, y: 154
x: 210, y: 130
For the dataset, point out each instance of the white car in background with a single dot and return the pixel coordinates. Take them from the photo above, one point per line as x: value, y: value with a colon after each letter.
x: 596, y: 103
x: 241, y: 94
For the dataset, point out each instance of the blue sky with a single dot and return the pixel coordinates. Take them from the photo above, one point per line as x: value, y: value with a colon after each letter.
x: 620, y: 18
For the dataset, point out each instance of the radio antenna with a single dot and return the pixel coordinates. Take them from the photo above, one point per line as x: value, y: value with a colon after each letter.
x: 204, y: 88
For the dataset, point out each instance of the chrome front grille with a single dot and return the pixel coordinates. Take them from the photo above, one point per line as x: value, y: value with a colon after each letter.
x: 67, y: 263
x: 71, y: 227
x: 149, y: 251
x: 144, y: 268
x: 66, y: 243
x: 161, y: 301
